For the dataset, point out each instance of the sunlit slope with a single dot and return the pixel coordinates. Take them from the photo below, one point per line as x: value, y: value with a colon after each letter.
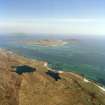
x: 29, y: 82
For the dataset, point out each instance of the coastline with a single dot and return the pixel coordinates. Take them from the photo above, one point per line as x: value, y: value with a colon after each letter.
x: 60, y: 72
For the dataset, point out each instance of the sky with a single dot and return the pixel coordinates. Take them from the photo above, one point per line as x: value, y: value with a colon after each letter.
x: 86, y: 17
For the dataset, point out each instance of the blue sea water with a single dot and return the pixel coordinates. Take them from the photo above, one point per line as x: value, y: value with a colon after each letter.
x: 86, y: 57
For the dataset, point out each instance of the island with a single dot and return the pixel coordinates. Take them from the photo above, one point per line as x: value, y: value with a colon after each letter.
x: 48, y: 42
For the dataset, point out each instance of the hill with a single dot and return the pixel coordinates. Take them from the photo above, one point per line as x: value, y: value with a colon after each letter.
x: 29, y: 82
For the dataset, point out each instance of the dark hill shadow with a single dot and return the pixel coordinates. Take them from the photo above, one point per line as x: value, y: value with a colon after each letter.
x: 53, y: 75
x: 24, y: 69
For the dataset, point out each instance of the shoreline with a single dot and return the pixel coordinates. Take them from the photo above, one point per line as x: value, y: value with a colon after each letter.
x: 45, y: 64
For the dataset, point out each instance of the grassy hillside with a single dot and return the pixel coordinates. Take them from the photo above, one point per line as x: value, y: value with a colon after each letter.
x: 29, y: 82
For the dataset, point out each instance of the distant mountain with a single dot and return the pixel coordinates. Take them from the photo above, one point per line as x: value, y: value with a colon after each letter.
x: 29, y: 82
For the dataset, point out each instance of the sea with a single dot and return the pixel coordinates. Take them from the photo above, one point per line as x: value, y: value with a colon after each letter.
x: 86, y: 56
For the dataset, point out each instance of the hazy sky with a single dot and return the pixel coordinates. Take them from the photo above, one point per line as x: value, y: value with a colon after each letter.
x: 53, y: 16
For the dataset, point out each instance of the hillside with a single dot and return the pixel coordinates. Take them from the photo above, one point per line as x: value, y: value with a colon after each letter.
x: 29, y: 82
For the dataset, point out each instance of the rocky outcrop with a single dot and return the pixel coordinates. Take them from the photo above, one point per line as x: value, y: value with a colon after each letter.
x: 36, y: 85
